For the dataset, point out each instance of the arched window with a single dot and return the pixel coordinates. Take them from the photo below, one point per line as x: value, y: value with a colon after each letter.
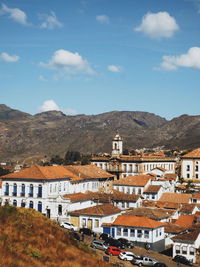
x: 15, y: 202
x: 15, y: 189
x: 40, y: 206
x: 23, y: 190
x: 40, y: 190
x: 23, y: 204
x: 7, y: 189
x: 31, y: 190
x: 115, y: 145
x: 31, y: 204
x: 59, y: 209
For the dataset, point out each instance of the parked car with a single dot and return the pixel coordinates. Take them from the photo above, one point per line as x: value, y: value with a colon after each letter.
x: 114, y: 242
x: 127, y: 244
x: 68, y: 225
x: 104, y: 236
x: 76, y: 236
x: 126, y: 255
x: 159, y: 264
x: 87, y: 231
x: 99, y: 244
x: 143, y: 261
x: 182, y: 259
x: 113, y: 251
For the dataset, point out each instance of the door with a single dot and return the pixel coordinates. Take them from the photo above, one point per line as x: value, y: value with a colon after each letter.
x: 48, y: 213
x: 113, y: 232
x: 89, y: 223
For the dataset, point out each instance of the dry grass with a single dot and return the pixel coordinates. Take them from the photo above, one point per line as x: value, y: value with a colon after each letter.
x: 27, y: 238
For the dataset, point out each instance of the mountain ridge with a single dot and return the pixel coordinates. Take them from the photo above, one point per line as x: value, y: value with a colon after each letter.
x: 53, y: 132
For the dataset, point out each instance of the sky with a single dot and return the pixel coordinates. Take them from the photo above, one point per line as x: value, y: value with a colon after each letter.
x: 96, y: 56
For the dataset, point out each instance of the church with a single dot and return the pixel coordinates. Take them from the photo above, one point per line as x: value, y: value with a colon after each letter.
x: 125, y: 165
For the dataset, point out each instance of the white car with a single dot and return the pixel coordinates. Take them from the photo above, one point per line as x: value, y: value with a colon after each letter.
x: 67, y: 225
x: 126, y: 256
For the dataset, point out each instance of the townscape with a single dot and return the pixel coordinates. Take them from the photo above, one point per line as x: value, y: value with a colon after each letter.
x: 123, y: 201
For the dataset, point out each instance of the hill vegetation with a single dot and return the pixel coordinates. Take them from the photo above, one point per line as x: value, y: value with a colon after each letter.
x: 53, y: 133
x: 27, y: 238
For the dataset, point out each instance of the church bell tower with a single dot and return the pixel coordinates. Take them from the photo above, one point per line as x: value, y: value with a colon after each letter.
x: 117, y: 146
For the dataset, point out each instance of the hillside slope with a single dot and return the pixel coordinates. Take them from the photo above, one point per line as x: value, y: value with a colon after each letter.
x: 52, y: 132
x: 27, y: 238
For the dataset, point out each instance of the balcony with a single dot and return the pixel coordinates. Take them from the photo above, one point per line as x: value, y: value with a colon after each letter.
x: 6, y: 193
x: 39, y: 195
x: 14, y: 194
x: 22, y: 194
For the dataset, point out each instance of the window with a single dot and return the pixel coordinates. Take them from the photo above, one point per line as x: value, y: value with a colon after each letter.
x: 133, y: 192
x: 156, y: 232
x: 83, y: 222
x: 96, y: 223
x: 132, y: 232
x: 196, y: 168
x: 125, y: 167
x: 188, y: 168
x: 192, y: 250
x: 40, y: 190
x: 123, y: 204
x: 31, y: 204
x: 128, y: 190
x: 7, y: 189
x: 127, y: 205
x: 125, y: 232
x: 146, y: 234
x: 59, y: 187
x: 119, y: 231
x: 59, y: 209
x: 177, y: 249
x: 31, y: 190
x: 197, y: 176
x: 23, y: 204
x: 139, y: 233
x: 23, y: 190
x: 188, y: 175
x: 15, y: 189
x: 184, y: 250
x: 15, y: 202
x: 139, y: 191
x: 40, y: 206
x: 130, y: 168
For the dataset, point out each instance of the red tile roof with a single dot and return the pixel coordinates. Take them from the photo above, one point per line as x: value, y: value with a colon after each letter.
x: 136, y: 221
x: 136, y: 180
x: 187, y: 237
x: 0, y: 183
x: 174, y: 228
x: 152, y: 189
x: 99, y: 210
x: 193, y: 154
x: 176, y: 198
x: 74, y: 173
x: 196, y: 196
x: 186, y: 220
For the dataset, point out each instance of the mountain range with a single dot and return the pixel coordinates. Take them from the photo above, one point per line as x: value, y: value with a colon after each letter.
x: 48, y: 133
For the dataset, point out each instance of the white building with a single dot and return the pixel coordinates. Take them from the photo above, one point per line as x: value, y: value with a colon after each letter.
x: 94, y: 217
x: 43, y: 188
x: 190, y: 165
x: 123, y: 166
x: 187, y: 244
x: 140, y: 230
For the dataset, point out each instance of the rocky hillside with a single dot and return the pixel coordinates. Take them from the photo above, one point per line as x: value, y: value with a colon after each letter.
x: 27, y: 238
x: 48, y: 133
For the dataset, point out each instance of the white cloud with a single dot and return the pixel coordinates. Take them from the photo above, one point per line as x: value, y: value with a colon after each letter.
x: 114, y: 68
x: 6, y: 57
x: 42, y: 78
x: 189, y: 60
x: 50, y: 22
x: 68, y: 62
x: 104, y: 19
x: 158, y: 25
x: 49, y: 105
x: 15, y: 14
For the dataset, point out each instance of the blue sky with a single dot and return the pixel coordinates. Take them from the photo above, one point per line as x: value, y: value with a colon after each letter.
x: 95, y: 56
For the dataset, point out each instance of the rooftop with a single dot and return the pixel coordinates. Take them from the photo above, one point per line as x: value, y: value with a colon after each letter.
x: 176, y: 198
x: 136, y: 180
x: 189, y: 237
x: 152, y: 189
x: 99, y: 210
x: 193, y: 154
x: 136, y: 221
x: 173, y: 228
x: 186, y: 220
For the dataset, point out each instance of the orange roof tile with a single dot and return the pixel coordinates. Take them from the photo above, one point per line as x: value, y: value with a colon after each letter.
x: 136, y: 180
x: 0, y: 183
x: 174, y: 228
x: 193, y: 154
x: 153, y: 189
x: 77, y: 197
x: 136, y: 221
x: 176, y: 198
x: 186, y: 220
x: 99, y: 210
x: 172, y: 176
x: 41, y: 172
x: 196, y: 196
